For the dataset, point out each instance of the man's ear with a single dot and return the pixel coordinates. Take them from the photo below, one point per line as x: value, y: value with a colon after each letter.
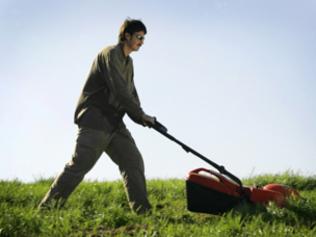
x: 128, y: 36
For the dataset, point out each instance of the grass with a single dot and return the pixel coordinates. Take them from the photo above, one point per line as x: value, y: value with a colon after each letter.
x: 101, y: 209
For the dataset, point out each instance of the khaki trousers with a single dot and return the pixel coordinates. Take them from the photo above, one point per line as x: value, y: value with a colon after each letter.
x: 91, y: 143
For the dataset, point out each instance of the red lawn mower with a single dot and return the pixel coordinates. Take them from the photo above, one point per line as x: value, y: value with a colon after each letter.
x: 214, y: 192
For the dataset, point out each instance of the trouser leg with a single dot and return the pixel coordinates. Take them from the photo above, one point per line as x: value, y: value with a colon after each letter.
x: 124, y: 152
x: 89, y: 147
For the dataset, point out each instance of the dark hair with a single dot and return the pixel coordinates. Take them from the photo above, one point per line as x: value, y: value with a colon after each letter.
x: 131, y: 26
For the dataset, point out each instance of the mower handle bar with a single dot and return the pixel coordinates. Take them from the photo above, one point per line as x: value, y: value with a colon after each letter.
x: 164, y: 131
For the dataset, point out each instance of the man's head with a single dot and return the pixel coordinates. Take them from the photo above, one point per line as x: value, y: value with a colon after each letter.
x: 132, y: 33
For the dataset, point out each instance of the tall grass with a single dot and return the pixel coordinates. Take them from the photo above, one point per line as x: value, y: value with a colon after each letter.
x: 101, y: 209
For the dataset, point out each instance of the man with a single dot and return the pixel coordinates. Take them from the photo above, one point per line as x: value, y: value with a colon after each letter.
x: 108, y: 94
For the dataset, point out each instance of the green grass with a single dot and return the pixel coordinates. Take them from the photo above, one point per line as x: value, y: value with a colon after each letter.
x: 101, y: 209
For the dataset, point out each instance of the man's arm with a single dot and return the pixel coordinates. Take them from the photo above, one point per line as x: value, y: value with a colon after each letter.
x: 125, y: 97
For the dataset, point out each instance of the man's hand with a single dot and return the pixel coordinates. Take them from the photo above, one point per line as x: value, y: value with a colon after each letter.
x: 148, y: 121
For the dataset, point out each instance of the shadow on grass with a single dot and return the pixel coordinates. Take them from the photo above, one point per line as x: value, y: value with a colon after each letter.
x: 297, y: 212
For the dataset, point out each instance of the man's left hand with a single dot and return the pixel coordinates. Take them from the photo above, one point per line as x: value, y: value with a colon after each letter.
x: 148, y: 120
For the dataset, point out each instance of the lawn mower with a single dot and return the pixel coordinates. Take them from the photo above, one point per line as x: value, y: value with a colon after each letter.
x: 213, y: 192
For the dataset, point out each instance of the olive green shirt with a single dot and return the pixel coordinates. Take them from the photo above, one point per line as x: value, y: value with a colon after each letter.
x: 109, y: 92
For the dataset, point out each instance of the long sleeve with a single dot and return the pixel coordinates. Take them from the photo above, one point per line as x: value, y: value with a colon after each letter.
x: 121, y: 85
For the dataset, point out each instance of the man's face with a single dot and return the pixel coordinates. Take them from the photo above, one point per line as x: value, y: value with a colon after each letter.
x: 136, y: 40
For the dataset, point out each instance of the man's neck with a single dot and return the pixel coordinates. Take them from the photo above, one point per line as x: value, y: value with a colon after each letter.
x: 126, y: 50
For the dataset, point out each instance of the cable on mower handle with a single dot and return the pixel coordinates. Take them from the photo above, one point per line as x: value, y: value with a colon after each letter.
x: 164, y: 131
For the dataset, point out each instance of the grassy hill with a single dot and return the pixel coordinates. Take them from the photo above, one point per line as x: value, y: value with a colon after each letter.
x: 101, y: 209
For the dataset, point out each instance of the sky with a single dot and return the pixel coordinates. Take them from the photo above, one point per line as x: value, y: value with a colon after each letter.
x: 233, y: 79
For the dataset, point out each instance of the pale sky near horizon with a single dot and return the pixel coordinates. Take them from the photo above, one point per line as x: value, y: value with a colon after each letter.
x: 235, y: 80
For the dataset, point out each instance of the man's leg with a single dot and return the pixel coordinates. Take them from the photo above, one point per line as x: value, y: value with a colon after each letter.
x: 124, y: 152
x: 89, y: 147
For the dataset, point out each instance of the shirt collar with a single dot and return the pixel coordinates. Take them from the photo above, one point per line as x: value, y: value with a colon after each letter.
x: 121, y: 54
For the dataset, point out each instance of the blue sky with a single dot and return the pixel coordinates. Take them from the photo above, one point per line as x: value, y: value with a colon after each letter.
x: 235, y: 80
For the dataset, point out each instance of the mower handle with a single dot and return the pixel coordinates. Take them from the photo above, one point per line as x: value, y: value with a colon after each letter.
x: 159, y: 127
x: 164, y: 131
